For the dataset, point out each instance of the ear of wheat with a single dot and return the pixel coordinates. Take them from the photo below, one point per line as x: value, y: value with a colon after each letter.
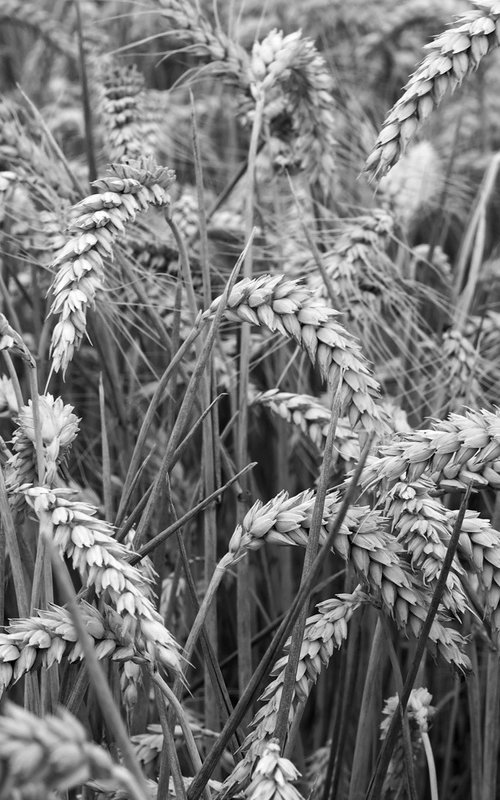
x: 38, y: 755
x: 451, y: 57
x: 100, y: 219
x: 102, y: 564
x: 462, y: 450
x: 291, y: 309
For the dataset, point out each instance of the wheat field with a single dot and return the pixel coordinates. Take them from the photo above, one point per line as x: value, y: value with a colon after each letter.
x: 250, y: 368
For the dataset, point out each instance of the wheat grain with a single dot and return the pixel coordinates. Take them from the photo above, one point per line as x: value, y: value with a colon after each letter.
x: 100, y: 219
x: 102, y: 564
x: 451, y: 57
x: 291, y: 309
x: 53, y: 752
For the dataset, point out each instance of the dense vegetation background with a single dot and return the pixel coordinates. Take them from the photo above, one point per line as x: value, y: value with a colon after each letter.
x: 250, y: 339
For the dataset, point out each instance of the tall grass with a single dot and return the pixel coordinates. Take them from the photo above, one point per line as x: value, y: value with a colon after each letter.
x: 249, y: 435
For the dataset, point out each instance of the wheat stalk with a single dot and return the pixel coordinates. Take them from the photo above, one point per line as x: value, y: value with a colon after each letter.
x: 38, y: 755
x: 102, y: 564
x: 452, y: 56
x: 100, y: 219
x: 291, y: 309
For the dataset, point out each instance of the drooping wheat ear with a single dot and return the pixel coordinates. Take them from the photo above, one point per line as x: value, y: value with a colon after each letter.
x: 297, y: 85
x: 419, y: 712
x: 227, y: 58
x: 37, y: 19
x: 11, y: 341
x: 291, y: 309
x: 272, y: 777
x: 479, y: 545
x: 102, y: 564
x: 100, y: 219
x: 358, y: 269
x: 128, y: 133
x: 415, y: 183
x: 38, y: 755
x: 451, y: 57
x: 460, y: 367
x: 324, y: 632
x: 59, y: 427
x: 313, y: 419
x: 46, y: 637
x: 421, y: 523
x: 462, y: 450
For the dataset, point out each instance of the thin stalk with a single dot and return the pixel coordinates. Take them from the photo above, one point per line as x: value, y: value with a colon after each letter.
x: 476, y: 739
x: 106, y: 461
x: 110, y: 712
x: 169, y: 759
x: 375, y: 787
x: 263, y: 669
x: 310, y: 554
x: 364, y: 734
x: 188, y: 401
x: 431, y: 766
x: 175, y: 526
x: 148, y: 419
x: 87, y: 114
x: 244, y: 605
x: 190, y: 743
x: 491, y: 726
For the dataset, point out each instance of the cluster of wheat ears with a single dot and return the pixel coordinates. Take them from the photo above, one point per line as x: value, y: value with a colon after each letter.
x: 249, y: 446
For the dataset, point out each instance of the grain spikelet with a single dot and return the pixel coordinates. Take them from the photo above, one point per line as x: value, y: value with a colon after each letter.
x: 451, y: 57
x: 291, y: 309
x: 272, y: 777
x: 100, y: 219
